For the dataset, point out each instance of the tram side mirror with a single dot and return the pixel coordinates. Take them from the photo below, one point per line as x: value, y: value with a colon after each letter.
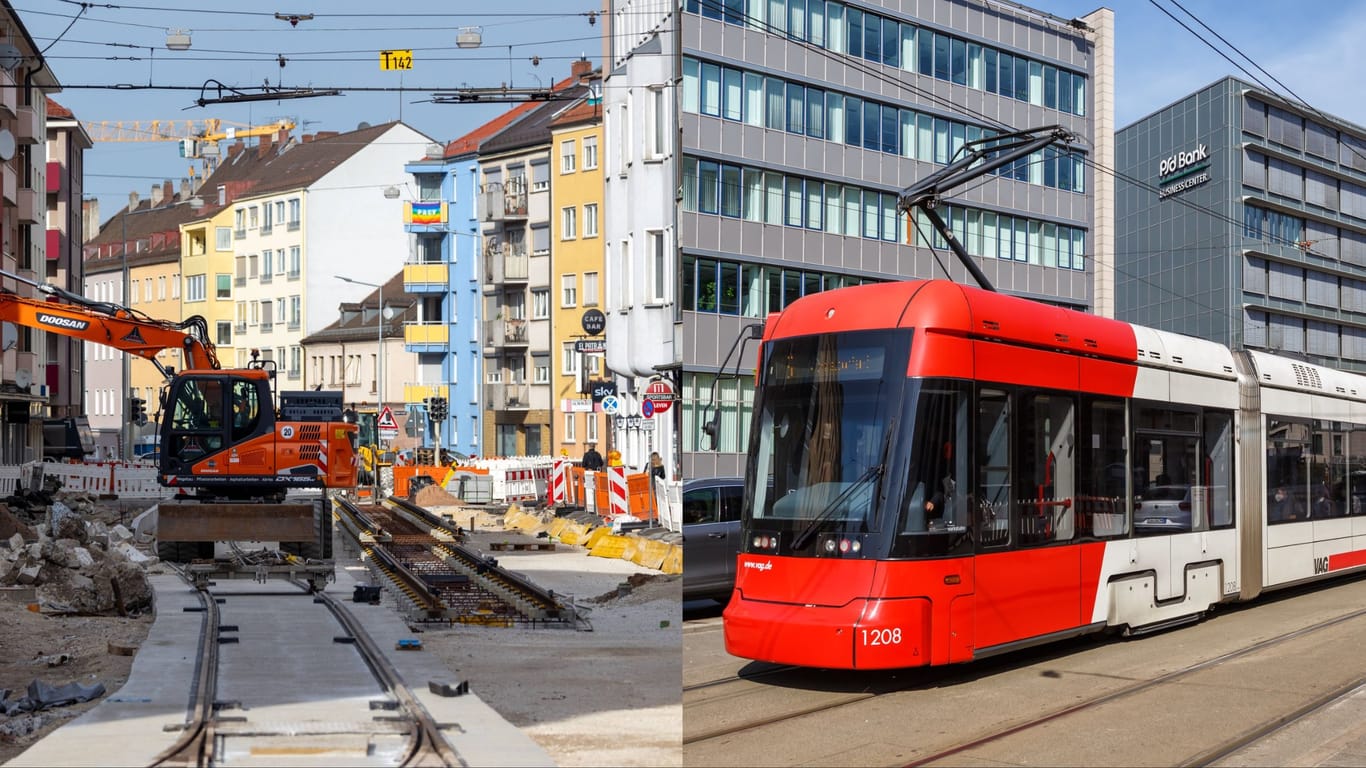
x: 711, y: 429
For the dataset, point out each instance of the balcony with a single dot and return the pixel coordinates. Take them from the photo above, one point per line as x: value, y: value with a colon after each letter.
x: 426, y: 334
x: 505, y: 332
x: 425, y: 213
x: 53, y: 176
x: 416, y: 393
x: 505, y: 264
x: 9, y: 181
x: 500, y: 202
x: 425, y: 278
x: 9, y: 95
x: 507, y: 397
x: 31, y: 208
x: 54, y: 244
x: 28, y: 125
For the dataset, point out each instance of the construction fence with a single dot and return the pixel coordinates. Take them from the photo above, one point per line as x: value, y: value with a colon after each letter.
x: 122, y: 479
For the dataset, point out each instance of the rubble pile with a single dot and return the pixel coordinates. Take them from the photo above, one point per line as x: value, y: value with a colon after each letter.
x: 76, y: 564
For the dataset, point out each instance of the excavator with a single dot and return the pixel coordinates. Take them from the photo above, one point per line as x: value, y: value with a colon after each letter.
x: 229, y: 452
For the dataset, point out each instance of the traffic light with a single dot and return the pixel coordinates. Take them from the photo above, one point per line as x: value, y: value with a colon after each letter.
x: 437, y: 407
x: 137, y: 410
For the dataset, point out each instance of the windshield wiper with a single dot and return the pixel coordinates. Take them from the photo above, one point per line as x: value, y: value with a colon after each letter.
x: 802, y: 538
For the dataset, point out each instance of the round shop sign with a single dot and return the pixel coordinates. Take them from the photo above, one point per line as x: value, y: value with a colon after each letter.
x: 594, y: 321
x: 659, y: 394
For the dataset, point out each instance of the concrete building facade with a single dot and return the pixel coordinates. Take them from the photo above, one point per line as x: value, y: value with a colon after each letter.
x: 803, y: 121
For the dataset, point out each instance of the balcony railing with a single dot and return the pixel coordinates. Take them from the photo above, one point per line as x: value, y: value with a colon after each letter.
x: 239, y: 328
x: 416, y: 393
x: 504, y: 263
x: 507, y: 397
x: 502, y: 332
x: 418, y: 334
x: 267, y: 326
x: 503, y: 200
x: 29, y: 128
x: 30, y: 210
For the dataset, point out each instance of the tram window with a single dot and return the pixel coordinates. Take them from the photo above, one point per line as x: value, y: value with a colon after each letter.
x: 1287, y: 480
x: 1217, y: 472
x: 993, y: 473
x: 1045, y: 469
x: 1169, y: 499
x: 935, y: 519
x: 1102, y: 469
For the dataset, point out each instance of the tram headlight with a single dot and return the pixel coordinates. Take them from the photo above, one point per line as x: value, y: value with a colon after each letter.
x: 829, y: 546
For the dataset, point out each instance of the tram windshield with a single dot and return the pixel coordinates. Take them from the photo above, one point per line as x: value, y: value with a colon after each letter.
x: 825, y: 425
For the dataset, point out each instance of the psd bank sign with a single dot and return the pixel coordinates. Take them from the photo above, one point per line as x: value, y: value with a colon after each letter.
x: 1182, y: 171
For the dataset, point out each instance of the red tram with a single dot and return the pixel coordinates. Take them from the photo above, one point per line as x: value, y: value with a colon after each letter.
x: 957, y: 473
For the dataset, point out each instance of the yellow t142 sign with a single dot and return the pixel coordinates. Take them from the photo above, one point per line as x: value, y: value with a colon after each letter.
x: 396, y: 59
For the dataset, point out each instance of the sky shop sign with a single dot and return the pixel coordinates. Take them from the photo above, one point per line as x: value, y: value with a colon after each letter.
x: 1182, y: 171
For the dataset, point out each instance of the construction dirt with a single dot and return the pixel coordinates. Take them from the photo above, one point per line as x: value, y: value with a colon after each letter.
x: 609, y: 696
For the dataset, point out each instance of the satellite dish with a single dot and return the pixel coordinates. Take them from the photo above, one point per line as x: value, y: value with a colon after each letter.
x: 23, y: 377
x: 6, y: 145
x: 9, y: 336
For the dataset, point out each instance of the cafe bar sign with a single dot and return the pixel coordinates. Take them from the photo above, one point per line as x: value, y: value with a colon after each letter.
x: 1182, y: 171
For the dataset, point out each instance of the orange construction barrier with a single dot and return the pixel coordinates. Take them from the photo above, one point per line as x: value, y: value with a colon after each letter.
x: 403, y: 476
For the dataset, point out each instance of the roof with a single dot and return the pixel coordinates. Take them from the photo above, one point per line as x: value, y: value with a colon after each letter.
x: 585, y: 110
x: 473, y: 141
x: 57, y: 110
x: 535, y: 127
x: 160, y: 225
x: 355, y: 325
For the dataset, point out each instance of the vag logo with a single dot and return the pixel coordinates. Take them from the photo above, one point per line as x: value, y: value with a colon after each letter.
x: 1182, y: 160
x: 768, y: 566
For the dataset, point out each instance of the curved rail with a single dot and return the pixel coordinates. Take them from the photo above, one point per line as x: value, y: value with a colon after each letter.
x: 195, y: 745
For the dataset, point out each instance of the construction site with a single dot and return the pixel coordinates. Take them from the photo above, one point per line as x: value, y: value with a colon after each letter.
x: 482, y: 614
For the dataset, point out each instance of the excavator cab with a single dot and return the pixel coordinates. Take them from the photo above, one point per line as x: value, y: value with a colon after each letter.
x: 220, y: 434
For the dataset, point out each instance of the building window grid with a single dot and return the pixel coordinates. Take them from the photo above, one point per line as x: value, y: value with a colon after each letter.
x: 839, y: 118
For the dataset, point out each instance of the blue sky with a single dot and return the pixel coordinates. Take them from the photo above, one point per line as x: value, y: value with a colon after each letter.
x: 1314, y: 47
x: 239, y: 43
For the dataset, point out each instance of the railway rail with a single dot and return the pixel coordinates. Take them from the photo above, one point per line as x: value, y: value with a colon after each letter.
x: 1199, y: 712
x: 233, y: 720
x: 443, y: 579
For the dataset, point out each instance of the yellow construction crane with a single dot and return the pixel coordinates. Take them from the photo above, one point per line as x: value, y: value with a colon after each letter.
x: 198, y: 139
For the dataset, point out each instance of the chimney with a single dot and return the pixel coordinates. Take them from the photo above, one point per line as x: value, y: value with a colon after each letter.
x: 581, y: 69
x: 264, y: 145
x: 235, y: 148
x: 307, y: 138
x: 283, y: 138
x: 167, y: 190
x: 184, y: 188
x: 132, y: 201
x: 326, y: 135
x: 156, y: 195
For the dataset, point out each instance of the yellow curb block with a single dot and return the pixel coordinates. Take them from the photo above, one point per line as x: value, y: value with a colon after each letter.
x: 673, y: 561
x: 610, y: 546
x: 595, y: 535
x: 650, y: 553
x: 574, y: 533
x: 557, y: 526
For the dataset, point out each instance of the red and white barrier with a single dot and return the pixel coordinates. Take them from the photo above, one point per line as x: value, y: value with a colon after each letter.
x: 617, y: 495
x: 558, y: 492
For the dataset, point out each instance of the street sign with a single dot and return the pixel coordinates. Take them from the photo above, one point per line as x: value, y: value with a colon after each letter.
x: 590, y: 346
x: 635, y: 422
x: 660, y: 394
x: 388, y: 426
x: 647, y: 408
x: 594, y: 321
x: 398, y: 59
x: 610, y: 405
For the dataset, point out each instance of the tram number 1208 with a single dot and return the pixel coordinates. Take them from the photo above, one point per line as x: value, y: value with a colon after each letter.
x: 882, y: 636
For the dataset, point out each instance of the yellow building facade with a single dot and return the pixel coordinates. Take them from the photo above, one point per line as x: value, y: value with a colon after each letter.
x: 576, y: 280
x: 207, y: 263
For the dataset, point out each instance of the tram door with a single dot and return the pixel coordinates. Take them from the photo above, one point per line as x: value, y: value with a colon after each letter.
x: 1027, y: 582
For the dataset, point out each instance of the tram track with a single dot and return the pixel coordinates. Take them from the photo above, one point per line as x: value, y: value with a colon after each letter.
x: 1205, y: 756
x: 772, y: 705
x: 237, y: 721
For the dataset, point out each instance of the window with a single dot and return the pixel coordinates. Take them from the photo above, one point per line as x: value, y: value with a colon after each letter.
x: 294, y: 263
x: 590, y: 289
x: 224, y: 283
x: 195, y: 286
x: 222, y: 238
x: 295, y: 311
x: 568, y: 290
x: 569, y: 223
x: 590, y: 220
x: 590, y: 152
x: 294, y: 213
x: 540, y: 304
x: 570, y: 420
x: 267, y: 266
x: 540, y: 176
x: 660, y: 118
x: 540, y: 369
x: 224, y: 336
x: 591, y: 431
x: 657, y: 267
x: 568, y: 156
x: 253, y: 217
x: 569, y: 359
x: 428, y: 186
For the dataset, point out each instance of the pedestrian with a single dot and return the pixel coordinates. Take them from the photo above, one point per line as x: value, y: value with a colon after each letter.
x: 592, y: 460
x: 656, y: 468
x: 1283, y: 507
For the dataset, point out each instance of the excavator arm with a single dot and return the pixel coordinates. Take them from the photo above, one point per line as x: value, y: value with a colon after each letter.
x: 978, y: 158
x: 108, y: 323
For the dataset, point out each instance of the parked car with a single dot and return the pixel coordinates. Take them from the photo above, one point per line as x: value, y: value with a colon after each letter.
x: 711, y: 536
x: 1163, y: 509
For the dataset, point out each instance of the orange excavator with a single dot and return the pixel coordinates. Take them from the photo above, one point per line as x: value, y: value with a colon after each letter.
x: 226, y: 447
